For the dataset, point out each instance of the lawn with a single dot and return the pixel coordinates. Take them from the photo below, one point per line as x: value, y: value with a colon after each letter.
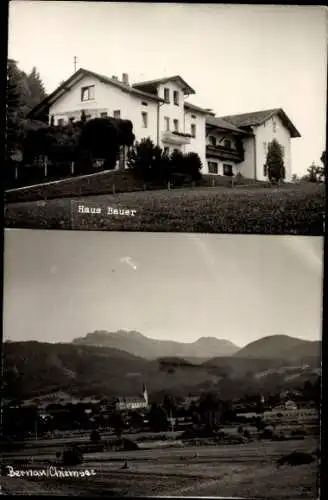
x: 296, y: 209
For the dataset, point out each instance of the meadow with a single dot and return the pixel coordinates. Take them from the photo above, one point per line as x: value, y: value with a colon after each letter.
x: 291, y: 209
x: 246, y: 470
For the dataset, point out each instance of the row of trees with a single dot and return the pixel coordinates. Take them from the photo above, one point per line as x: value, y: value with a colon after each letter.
x: 24, y: 91
x: 151, y: 164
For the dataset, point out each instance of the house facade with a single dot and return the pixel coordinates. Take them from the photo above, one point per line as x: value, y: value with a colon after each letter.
x: 160, y: 110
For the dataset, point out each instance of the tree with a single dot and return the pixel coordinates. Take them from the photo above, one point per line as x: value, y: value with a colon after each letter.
x: 13, y: 108
x: 142, y: 159
x: 209, y: 408
x: 100, y: 137
x: 193, y: 166
x: 33, y: 91
x: 275, y: 162
x: 323, y: 159
x: 157, y: 419
x: 95, y: 436
x: 315, y: 173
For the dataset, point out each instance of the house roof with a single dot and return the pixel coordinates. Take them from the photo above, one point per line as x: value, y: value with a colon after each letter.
x: 259, y: 117
x: 223, y: 124
x: 151, y: 85
x: 131, y: 399
x: 76, y: 77
x: 193, y: 107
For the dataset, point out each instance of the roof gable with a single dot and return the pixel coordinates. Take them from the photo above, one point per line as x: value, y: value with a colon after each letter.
x: 257, y: 118
x: 216, y: 122
x: 151, y: 85
x: 74, y: 79
x: 192, y: 107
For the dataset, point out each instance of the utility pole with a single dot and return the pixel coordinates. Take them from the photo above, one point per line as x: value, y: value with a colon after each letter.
x: 75, y: 63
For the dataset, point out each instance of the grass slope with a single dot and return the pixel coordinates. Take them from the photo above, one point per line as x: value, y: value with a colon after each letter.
x: 295, y: 209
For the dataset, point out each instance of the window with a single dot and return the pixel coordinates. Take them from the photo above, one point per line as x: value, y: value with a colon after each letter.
x: 176, y: 125
x: 265, y: 170
x: 104, y: 114
x: 167, y: 123
x: 176, y: 97
x: 227, y: 143
x: 227, y: 170
x: 144, y: 119
x: 167, y: 95
x: 144, y: 103
x: 88, y: 93
x: 60, y: 122
x: 212, y: 140
x: 193, y: 117
x: 212, y: 167
x: 193, y: 130
x: 274, y: 126
x: 117, y: 114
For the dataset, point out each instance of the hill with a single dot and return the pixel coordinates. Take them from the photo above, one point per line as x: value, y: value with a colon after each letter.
x: 281, y: 347
x: 34, y: 369
x: 148, y: 348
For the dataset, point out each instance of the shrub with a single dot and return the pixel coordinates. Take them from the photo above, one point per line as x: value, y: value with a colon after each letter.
x: 95, y: 436
x: 72, y: 456
x: 144, y: 159
x: 296, y: 458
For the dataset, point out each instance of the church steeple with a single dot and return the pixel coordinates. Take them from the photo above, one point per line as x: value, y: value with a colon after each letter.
x: 145, y: 393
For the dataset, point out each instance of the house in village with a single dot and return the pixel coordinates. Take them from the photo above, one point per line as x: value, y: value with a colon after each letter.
x: 160, y: 109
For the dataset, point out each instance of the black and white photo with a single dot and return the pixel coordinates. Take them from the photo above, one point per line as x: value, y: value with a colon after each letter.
x: 158, y: 364
x: 197, y: 117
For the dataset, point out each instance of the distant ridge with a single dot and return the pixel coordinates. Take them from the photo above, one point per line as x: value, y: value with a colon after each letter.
x: 140, y: 345
x: 280, y: 346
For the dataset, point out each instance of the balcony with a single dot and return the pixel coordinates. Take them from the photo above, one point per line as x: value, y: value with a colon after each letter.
x: 178, y: 138
x: 224, y: 153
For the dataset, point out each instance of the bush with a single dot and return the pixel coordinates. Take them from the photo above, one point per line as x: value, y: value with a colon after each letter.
x: 95, y: 436
x: 125, y: 444
x: 296, y: 458
x: 72, y: 456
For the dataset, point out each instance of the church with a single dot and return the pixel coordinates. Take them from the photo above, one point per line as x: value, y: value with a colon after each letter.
x: 135, y: 402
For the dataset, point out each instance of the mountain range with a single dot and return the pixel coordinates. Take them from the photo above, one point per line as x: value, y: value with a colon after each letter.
x: 34, y: 368
x: 273, y: 346
x: 148, y: 348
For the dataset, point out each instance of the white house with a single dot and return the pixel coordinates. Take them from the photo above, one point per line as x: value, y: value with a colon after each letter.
x: 160, y: 109
x: 263, y: 127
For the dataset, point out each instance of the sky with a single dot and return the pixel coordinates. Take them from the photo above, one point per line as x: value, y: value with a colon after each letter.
x: 238, y: 58
x: 59, y: 285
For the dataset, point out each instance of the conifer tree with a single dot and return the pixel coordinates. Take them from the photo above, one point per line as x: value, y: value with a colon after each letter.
x: 275, y: 162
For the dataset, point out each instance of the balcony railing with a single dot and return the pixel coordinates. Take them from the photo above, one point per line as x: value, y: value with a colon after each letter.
x: 175, y: 137
x: 224, y: 153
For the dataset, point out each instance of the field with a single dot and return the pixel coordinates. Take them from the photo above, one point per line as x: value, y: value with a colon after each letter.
x: 295, y: 209
x: 248, y: 470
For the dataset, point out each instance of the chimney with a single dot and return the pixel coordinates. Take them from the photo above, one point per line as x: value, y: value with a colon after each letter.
x: 125, y: 79
x: 114, y: 77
